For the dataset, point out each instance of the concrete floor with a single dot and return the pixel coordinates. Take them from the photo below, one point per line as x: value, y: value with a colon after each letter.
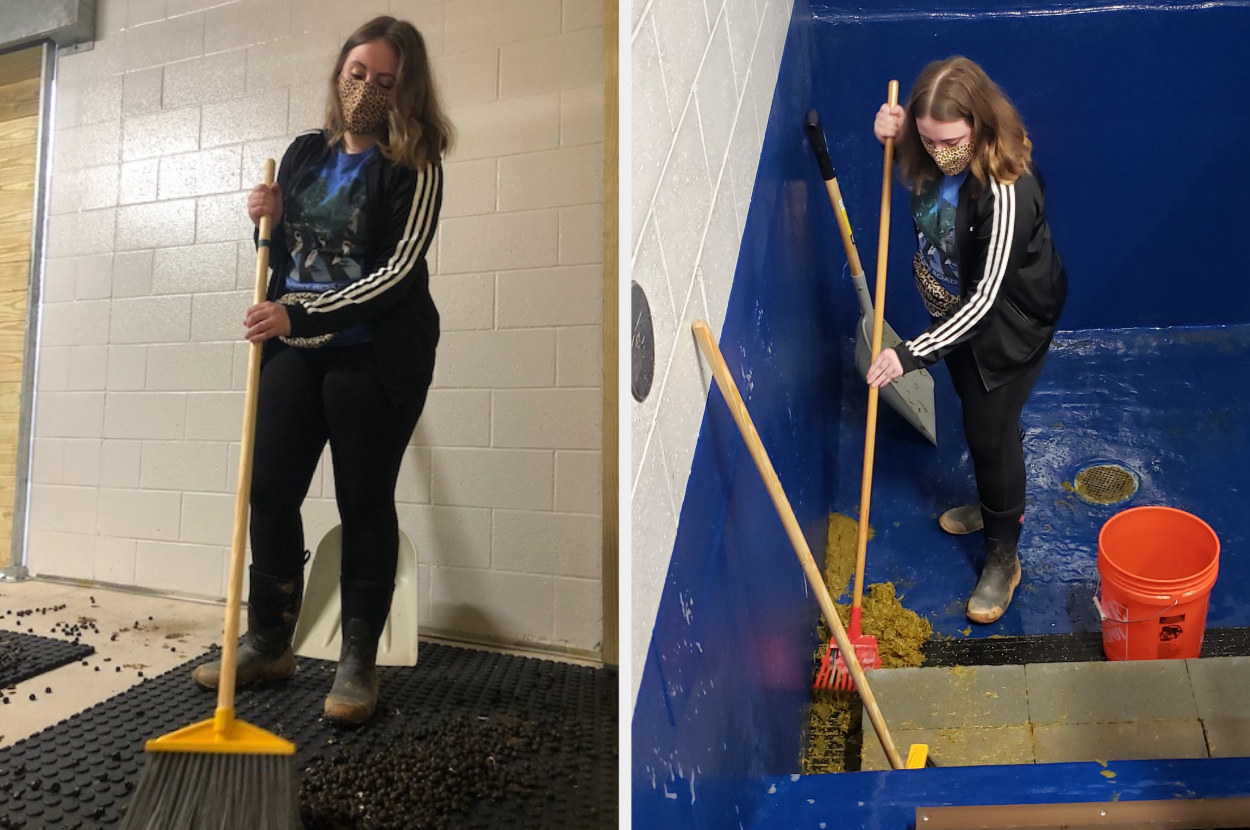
x: 134, y: 635
x: 1065, y: 712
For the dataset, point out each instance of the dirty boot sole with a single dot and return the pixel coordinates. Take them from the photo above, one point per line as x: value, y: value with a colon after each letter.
x: 353, y: 697
x: 962, y: 520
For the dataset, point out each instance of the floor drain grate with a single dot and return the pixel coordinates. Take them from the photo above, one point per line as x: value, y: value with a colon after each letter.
x: 1105, y: 484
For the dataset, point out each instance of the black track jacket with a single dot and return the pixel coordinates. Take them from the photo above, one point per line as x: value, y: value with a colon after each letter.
x: 403, y: 206
x: 1012, y: 283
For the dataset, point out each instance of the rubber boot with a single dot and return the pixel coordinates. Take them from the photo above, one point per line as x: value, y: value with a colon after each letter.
x: 265, y: 653
x: 354, y: 695
x: 962, y: 520
x: 1001, y: 573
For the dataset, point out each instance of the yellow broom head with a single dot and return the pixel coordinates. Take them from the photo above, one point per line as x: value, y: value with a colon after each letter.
x: 222, y: 734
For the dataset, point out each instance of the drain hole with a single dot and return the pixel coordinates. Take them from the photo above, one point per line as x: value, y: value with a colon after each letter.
x: 1105, y: 484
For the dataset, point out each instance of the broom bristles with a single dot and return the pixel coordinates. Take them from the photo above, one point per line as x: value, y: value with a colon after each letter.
x: 215, y: 791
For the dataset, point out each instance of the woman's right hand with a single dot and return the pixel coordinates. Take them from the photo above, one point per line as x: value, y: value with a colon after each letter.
x: 888, y: 122
x: 265, y: 201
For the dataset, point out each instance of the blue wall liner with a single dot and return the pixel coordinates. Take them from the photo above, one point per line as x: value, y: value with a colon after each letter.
x: 1142, y: 194
x: 729, y: 665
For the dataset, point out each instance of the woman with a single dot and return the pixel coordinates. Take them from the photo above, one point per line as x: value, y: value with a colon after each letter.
x: 993, y: 283
x: 349, y: 332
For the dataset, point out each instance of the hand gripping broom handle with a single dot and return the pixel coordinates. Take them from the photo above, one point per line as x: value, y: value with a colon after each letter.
x: 737, y: 408
x: 878, y: 324
x: 243, y: 491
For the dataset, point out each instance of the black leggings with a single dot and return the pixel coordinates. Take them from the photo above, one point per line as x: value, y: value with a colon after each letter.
x: 309, y: 397
x: 992, y: 427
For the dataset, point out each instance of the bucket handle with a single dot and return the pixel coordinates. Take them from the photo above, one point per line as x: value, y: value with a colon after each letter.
x: 1104, y: 616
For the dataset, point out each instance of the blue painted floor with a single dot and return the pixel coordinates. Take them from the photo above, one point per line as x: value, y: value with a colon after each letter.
x: 1171, y: 405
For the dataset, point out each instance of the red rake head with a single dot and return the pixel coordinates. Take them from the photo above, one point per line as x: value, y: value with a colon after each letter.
x: 834, y: 673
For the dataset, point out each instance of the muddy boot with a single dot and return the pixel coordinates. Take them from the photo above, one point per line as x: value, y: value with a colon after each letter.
x: 963, y: 519
x: 1001, y: 573
x: 265, y: 653
x: 354, y: 695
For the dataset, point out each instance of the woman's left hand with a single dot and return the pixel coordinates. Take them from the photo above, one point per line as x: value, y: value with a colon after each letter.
x: 266, y: 320
x: 885, y: 368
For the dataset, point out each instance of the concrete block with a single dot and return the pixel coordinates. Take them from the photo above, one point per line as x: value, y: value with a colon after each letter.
x: 207, y: 518
x: 222, y: 218
x: 183, y: 466
x: 564, y: 296
x: 579, y: 356
x: 937, y: 698
x: 83, y: 234
x: 445, y: 535
x: 1138, y: 740
x: 127, y: 367
x: 198, y: 174
x: 61, y: 508
x: 88, y: 145
x: 264, y: 115
x: 142, y: 91
x: 1111, y: 692
x: 192, y: 269
x: 81, y: 462
x: 151, y: 320
x: 140, y: 514
x: 120, y: 463
x: 193, y: 570
x: 569, y: 60
x: 470, y: 188
x: 579, y: 482
x: 114, y: 561
x: 493, y: 359
x: 189, y: 367
x: 561, y: 544
x: 219, y: 316
x: 468, y: 78
x: 466, y: 302
x: 161, y: 133
x: 138, y: 181
x: 542, y: 418
x: 579, y: 613
x: 470, y: 23
x: 156, y: 225
x: 151, y: 416
x: 1227, y: 736
x: 88, y: 367
x: 132, y: 274
x: 964, y: 747
x: 214, y: 416
x: 502, y: 128
x: 236, y: 25
x: 472, y: 244
x: 455, y: 418
x: 75, y: 324
x: 470, y: 477
x: 581, y: 116
x: 93, y: 276
x: 494, y: 606
x: 205, y: 79
x: 1219, y: 685
x: 413, y: 486
x: 581, y: 235
x: 554, y: 178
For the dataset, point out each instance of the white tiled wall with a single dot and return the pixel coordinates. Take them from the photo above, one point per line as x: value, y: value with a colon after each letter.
x: 160, y: 130
x: 702, y: 77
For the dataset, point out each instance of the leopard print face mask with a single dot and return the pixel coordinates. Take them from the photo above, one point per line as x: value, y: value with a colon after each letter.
x: 950, y: 160
x: 364, y: 105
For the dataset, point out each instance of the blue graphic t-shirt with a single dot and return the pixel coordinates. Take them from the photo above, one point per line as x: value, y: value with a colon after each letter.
x: 324, y: 223
x: 937, y: 272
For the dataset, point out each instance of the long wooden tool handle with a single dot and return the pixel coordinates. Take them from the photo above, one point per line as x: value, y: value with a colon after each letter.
x: 878, y: 324
x: 243, y: 490
x: 738, y: 409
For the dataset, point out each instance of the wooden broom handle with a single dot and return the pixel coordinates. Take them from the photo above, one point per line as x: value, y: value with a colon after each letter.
x: 878, y: 324
x: 243, y: 490
x: 738, y: 409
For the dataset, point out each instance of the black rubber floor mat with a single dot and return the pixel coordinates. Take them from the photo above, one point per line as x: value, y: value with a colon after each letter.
x: 1079, y: 647
x: 466, y: 738
x: 23, y: 656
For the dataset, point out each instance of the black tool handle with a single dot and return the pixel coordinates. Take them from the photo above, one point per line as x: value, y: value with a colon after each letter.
x: 816, y: 137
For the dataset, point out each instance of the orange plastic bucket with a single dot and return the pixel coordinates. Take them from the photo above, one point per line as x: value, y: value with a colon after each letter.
x: 1156, y: 566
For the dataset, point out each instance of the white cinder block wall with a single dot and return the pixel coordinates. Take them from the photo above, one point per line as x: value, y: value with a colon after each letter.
x: 702, y: 79
x: 160, y: 130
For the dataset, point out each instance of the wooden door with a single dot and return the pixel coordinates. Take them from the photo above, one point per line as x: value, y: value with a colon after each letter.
x: 20, y: 87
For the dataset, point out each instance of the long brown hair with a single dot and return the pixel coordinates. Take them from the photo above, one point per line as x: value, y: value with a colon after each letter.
x: 417, y: 132
x: 957, y: 89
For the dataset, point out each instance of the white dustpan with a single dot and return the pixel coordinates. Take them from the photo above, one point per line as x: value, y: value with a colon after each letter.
x: 318, y: 632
